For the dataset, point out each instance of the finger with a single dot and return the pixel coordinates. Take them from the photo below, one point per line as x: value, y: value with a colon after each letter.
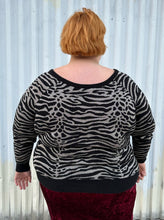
x: 144, y: 173
x: 16, y: 182
x: 138, y: 179
x: 23, y: 184
x: 20, y: 185
x: 142, y: 176
x: 26, y: 182
x: 29, y: 179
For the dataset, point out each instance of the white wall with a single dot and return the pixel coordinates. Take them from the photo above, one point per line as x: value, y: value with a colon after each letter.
x: 29, y: 45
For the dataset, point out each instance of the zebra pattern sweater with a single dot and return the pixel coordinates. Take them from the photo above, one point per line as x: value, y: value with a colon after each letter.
x: 83, y: 133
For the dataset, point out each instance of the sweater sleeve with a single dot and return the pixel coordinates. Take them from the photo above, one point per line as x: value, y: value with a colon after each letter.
x: 144, y: 129
x: 23, y: 131
x: 23, y: 127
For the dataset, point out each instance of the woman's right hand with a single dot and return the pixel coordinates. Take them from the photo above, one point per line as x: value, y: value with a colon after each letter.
x: 22, y: 179
x: 142, y: 171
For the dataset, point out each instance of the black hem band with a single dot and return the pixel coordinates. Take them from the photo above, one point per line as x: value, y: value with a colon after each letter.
x: 89, y: 186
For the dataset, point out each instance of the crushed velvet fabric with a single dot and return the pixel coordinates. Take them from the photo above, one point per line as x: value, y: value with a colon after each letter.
x: 90, y: 206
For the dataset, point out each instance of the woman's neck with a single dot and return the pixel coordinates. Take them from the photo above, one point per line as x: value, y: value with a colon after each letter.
x: 85, y: 60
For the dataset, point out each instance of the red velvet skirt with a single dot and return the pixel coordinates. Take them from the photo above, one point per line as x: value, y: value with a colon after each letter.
x: 90, y: 206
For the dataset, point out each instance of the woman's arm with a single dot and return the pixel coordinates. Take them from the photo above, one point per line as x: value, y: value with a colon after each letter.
x: 23, y: 128
x: 23, y: 131
x: 144, y: 129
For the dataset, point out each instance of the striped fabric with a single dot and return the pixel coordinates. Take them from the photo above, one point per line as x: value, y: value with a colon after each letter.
x: 84, y: 130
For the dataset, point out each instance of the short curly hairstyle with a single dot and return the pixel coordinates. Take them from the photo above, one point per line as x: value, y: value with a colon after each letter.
x: 83, y: 34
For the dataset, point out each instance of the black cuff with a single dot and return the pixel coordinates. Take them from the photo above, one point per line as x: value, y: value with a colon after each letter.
x: 22, y: 167
x: 141, y: 160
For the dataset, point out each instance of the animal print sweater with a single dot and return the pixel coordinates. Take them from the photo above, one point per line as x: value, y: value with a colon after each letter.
x: 91, y: 137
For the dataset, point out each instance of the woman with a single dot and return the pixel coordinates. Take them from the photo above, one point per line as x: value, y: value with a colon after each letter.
x: 84, y: 115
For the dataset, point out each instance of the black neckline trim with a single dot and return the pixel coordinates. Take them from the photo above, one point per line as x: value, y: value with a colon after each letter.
x: 60, y: 78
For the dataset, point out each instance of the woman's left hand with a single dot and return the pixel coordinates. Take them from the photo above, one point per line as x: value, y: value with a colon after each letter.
x: 22, y: 179
x: 142, y: 171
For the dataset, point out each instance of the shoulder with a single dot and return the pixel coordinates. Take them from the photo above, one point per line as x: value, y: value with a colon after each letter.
x: 43, y: 81
x: 40, y: 85
x: 124, y: 80
x: 122, y: 77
